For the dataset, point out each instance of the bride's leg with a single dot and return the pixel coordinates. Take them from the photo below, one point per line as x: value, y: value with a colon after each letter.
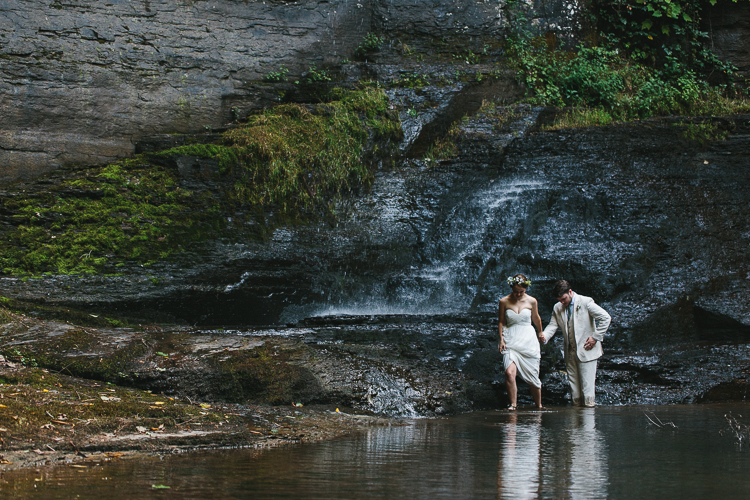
x: 510, y: 384
x: 536, y: 393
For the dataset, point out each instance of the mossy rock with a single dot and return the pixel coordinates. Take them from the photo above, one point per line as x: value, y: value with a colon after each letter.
x: 265, y: 375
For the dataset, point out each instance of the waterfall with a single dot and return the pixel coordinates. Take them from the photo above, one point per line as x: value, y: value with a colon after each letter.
x: 457, y: 243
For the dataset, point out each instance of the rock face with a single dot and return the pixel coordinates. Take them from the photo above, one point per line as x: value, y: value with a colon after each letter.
x: 728, y: 27
x: 653, y: 225
x: 83, y: 81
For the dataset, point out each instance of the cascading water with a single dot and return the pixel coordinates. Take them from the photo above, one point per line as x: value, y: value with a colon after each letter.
x: 453, y: 222
x: 457, y: 245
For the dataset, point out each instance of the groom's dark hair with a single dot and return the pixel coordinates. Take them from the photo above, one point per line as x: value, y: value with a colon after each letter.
x: 560, y: 288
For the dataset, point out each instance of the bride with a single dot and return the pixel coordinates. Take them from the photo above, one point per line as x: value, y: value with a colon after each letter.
x: 519, y: 345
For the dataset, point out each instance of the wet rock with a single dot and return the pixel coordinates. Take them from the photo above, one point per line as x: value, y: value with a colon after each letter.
x: 727, y: 24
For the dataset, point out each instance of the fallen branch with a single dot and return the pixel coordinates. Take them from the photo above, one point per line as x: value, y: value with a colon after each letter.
x: 658, y: 422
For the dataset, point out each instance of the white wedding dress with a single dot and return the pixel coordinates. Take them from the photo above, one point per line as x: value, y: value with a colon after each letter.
x: 522, y: 346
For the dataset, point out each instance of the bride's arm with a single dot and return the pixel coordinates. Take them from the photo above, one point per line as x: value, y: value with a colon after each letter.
x: 500, y: 325
x: 537, y: 320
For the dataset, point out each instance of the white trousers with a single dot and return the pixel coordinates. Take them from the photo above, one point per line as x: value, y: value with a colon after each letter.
x: 581, y: 378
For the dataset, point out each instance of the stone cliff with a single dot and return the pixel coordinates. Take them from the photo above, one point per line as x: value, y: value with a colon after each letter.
x: 83, y: 81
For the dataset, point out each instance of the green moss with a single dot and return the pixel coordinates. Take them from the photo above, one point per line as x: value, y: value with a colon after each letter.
x: 580, y: 118
x: 225, y: 156
x: 96, y: 219
x: 293, y: 160
x: 298, y: 157
x: 262, y: 375
x: 110, y: 368
x: 74, y: 339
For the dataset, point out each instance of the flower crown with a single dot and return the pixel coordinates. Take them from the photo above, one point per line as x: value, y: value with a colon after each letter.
x: 517, y: 280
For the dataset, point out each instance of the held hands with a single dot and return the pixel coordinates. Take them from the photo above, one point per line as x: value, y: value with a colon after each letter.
x: 590, y: 343
x: 542, y: 338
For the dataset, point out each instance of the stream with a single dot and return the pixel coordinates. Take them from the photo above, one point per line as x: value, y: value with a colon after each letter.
x: 666, y: 452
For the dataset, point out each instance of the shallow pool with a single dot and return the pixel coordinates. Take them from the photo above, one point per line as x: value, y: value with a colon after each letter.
x: 665, y: 452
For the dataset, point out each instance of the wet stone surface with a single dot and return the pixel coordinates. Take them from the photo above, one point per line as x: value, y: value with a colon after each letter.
x: 391, y: 365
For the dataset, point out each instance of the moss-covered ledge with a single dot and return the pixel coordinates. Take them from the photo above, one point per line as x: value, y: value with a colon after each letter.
x: 285, y: 165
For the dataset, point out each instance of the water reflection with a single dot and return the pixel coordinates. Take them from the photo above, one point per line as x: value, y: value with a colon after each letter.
x: 520, y: 458
x: 534, y: 459
x: 588, y: 457
x: 564, y: 453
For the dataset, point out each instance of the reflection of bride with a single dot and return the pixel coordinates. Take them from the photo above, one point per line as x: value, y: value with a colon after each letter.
x: 520, y: 456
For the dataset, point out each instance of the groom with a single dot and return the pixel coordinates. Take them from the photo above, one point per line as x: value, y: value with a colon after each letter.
x: 583, y: 324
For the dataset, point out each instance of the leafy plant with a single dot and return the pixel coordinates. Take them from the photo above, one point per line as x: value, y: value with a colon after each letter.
x: 703, y: 132
x: 467, y: 56
x: 316, y: 75
x: 444, y: 147
x: 600, y: 77
x: 412, y: 80
x: 370, y: 43
x: 644, y: 58
x: 664, y: 34
x: 277, y: 76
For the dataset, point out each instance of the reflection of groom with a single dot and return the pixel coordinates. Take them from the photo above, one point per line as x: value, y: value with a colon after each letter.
x: 583, y: 324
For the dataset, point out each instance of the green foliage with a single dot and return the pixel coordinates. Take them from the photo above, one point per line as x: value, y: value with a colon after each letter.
x: 703, y: 132
x: 443, y: 148
x: 580, y: 118
x: 224, y: 155
x: 467, y: 56
x: 292, y: 159
x: 316, y: 75
x: 277, y: 76
x: 646, y: 58
x: 412, y: 81
x: 370, y: 43
x: 97, y: 218
x: 598, y: 77
x: 664, y: 34
x: 297, y: 157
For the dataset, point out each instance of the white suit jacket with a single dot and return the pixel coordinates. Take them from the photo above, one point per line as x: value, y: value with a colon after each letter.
x: 589, y: 320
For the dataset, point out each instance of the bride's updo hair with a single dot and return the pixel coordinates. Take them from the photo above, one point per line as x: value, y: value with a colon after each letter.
x: 520, y: 280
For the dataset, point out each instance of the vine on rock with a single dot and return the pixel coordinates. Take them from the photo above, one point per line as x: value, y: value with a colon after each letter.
x: 642, y: 58
x: 663, y: 34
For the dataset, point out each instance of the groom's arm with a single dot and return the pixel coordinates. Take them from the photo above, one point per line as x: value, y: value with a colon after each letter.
x: 551, y: 329
x: 601, y: 319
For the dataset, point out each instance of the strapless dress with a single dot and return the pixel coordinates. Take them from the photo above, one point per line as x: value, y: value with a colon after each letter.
x: 522, y: 346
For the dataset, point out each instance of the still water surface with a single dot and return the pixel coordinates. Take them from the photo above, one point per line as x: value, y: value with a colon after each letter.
x: 566, y: 453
